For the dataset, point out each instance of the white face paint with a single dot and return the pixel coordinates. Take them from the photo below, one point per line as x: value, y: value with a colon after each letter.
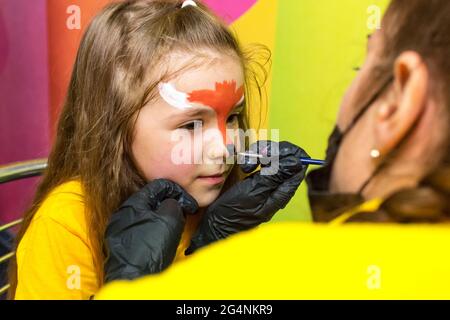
x: 173, y: 97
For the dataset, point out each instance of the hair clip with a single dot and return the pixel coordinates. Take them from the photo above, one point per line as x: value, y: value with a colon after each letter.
x: 188, y: 3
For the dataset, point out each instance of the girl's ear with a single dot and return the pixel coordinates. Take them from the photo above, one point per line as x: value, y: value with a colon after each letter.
x: 399, y: 113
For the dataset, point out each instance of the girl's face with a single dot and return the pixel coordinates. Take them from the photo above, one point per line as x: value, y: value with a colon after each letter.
x: 182, y: 135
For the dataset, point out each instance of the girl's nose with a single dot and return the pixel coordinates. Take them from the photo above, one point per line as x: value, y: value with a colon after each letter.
x: 218, y: 150
x: 218, y: 146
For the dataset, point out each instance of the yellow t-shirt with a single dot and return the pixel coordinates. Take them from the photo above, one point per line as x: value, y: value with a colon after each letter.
x: 54, y: 258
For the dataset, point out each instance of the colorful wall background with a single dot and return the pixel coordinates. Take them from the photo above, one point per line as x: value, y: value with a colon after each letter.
x: 315, y: 47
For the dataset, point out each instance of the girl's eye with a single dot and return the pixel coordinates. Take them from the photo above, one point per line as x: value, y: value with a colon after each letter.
x: 193, y: 125
x: 233, y: 118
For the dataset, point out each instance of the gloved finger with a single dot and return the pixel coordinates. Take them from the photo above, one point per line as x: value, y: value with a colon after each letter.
x: 267, y: 180
x: 281, y: 149
x: 172, y: 216
x: 170, y: 190
x: 280, y: 197
x: 129, y: 218
x: 288, y: 160
x: 289, y: 166
x: 148, y: 245
x: 162, y: 189
x: 261, y: 147
x: 156, y: 191
x: 286, y: 148
x: 147, y: 199
x: 272, y: 153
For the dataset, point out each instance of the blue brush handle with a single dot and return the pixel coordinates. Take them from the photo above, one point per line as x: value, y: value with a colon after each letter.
x: 308, y: 161
x: 305, y: 161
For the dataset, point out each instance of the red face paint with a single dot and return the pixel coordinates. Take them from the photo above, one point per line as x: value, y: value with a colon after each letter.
x: 223, y: 99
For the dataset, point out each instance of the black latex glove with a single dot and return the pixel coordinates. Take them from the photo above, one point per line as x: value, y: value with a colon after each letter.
x: 258, y: 197
x: 143, y: 235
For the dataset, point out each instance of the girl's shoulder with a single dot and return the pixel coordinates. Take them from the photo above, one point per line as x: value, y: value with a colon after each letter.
x: 70, y: 189
x: 65, y: 206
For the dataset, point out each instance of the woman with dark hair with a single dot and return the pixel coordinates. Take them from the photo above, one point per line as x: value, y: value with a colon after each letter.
x: 391, y: 140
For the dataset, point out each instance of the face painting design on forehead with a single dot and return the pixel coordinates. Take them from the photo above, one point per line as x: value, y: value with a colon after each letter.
x: 173, y: 97
x: 222, y: 99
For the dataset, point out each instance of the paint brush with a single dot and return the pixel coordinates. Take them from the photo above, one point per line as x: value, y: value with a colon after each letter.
x: 305, y: 161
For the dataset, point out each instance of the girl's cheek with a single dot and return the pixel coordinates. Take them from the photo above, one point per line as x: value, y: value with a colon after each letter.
x: 167, y: 166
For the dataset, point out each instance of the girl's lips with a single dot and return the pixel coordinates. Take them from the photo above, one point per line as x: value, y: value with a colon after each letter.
x: 215, y: 179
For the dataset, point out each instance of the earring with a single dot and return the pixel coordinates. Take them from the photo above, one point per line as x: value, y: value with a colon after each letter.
x: 375, y: 153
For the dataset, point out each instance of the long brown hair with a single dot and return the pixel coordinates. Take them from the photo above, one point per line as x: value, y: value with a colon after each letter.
x: 113, y: 78
x: 422, y: 26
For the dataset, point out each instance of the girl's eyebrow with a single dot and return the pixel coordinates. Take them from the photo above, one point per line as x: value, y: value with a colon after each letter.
x: 190, y: 113
x: 199, y: 111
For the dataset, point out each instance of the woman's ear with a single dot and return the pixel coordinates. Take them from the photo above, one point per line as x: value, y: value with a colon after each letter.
x: 396, y: 116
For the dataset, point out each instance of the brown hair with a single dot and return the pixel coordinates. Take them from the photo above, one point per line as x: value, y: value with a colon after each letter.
x: 422, y: 26
x: 112, y: 79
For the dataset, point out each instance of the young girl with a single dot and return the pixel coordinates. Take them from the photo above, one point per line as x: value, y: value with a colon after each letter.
x: 145, y: 70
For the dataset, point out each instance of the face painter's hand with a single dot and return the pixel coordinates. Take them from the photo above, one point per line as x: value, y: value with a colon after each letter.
x: 143, y: 235
x: 258, y: 197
